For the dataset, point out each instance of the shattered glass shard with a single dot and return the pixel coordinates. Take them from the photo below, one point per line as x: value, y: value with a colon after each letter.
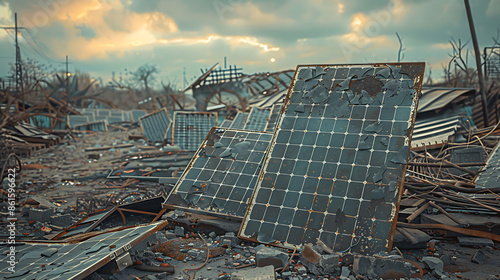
x: 228, y: 152
x: 218, y: 145
x: 301, y: 108
x: 374, y: 127
x: 344, y: 85
x: 384, y: 73
x: 340, y: 108
x: 242, y: 147
x: 365, y: 98
x: 319, y: 94
x: 379, y: 175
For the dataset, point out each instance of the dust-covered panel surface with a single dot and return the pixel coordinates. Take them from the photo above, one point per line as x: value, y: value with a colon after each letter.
x: 337, y: 161
x: 73, y: 261
x: 240, y: 120
x: 155, y: 125
x: 191, y: 128
x: 223, y: 173
x: 258, y: 119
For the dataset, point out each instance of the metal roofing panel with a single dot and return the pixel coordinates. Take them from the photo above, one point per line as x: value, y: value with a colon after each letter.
x: 74, y: 120
x: 437, y: 98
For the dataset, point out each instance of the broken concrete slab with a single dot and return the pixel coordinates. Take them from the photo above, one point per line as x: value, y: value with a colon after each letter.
x: 475, y: 241
x: 260, y: 273
x: 374, y: 267
x: 327, y: 264
x: 40, y: 215
x: 479, y: 256
x: 271, y: 256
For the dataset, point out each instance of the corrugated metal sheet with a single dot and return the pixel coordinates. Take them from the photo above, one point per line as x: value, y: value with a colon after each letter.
x: 435, y: 130
x: 74, y: 120
x: 437, y: 98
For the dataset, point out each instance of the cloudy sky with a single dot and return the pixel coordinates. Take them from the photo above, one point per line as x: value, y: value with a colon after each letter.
x: 102, y: 36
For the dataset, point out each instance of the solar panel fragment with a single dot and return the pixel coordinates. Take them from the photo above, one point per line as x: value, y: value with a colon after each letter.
x: 226, y: 123
x: 240, y: 120
x: 74, y: 261
x: 222, y: 175
x: 274, y: 117
x: 258, y: 118
x: 336, y: 164
x: 191, y: 128
x: 155, y: 125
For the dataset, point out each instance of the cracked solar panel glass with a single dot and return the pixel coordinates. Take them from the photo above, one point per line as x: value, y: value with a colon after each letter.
x: 338, y: 158
x: 66, y: 261
x: 155, y: 125
x: 222, y: 175
x: 273, y: 119
x: 190, y: 129
x: 258, y: 118
x: 240, y: 120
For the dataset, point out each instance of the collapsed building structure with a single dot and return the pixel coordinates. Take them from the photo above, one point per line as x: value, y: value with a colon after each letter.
x: 337, y: 167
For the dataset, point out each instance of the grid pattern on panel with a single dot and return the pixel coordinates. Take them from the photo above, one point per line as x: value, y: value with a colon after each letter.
x: 137, y: 114
x: 274, y: 117
x: 240, y: 120
x: 258, y: 118
x: 155, y: 125
x: 190, y: 129
x: 338, y: 158
x: 92, y: 126
x: 226, y: 123
x: 74, y: 120
x: 72, y: 261
x: 224, y: 171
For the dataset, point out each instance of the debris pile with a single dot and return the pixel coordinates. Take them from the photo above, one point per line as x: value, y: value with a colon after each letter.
x: 328, y: 173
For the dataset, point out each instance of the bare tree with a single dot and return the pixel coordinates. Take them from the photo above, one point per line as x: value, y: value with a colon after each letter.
x: 144, y: 76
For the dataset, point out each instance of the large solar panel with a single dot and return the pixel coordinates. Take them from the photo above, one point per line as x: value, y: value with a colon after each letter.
x: 258, y: 118
x: 240, y: 120
x: 191, y: 128
x: 73, y: 261
x: 222, y: 175
x: 274, y: 117
x: 337, y: 161
x: 155, y: 125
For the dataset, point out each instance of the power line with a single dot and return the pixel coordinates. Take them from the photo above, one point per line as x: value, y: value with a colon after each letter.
x: 42, y: 48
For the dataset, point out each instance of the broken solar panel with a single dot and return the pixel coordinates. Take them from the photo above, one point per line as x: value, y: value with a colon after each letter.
x: 489, y: 177
x: 67, y: 261
x: 258, y: 118
x: 274, y: 117
x: 222, y: 175
x: 337, y: 160
x: 240, y: 120
x: 190, y: 128
x: 155, y: 125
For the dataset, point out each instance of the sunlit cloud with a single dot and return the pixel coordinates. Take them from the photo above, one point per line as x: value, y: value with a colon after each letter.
x: 340, y: 7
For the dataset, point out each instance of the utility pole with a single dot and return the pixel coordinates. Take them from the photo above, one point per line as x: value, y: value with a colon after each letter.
x: 19, y: 68
x: 478, y: 62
